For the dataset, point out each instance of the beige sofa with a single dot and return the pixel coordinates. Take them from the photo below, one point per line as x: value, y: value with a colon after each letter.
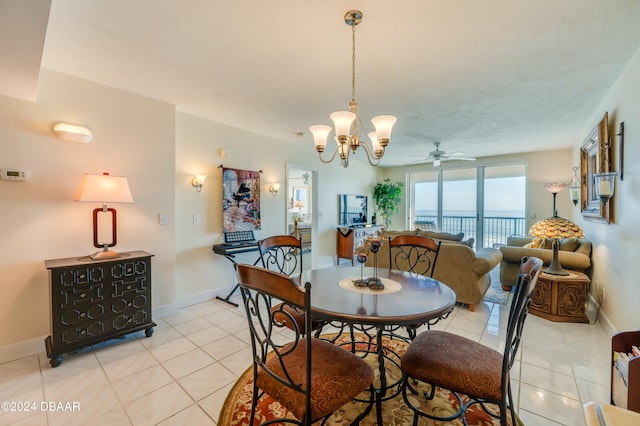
x: 573, y: 254
x: 465, y: 271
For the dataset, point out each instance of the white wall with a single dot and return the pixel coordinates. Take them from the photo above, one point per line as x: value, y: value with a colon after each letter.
x: 133, y: 137
x: 199, y: 272
x: 616, y: 246
x: 159, y: 151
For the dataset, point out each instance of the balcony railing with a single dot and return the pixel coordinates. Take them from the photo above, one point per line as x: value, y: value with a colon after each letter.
x: 496, y: 229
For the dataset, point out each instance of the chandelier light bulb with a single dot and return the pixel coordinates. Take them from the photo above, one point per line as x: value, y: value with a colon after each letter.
x: 342, y: 121
x: 383, y: 125
x: 320, y: 133
x: 375, y: 143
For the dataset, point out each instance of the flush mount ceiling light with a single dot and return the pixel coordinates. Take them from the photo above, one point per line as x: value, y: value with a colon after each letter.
x: 348, y: 124
x: 73, y: 132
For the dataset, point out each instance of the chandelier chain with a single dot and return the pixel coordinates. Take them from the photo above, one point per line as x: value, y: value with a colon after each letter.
x: 353, y: 61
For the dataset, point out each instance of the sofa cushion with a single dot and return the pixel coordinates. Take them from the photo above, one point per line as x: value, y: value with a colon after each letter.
x: 441, y: 235
x: 569, y: 244
x: 391, y: 234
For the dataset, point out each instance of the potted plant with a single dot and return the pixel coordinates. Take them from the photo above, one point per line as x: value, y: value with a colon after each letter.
x: 387, y: 196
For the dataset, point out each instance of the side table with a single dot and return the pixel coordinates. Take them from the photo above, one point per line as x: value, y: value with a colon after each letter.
x: 561, y: 297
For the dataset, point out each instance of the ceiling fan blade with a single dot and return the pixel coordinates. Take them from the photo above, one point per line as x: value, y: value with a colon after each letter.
x: 461, y: 158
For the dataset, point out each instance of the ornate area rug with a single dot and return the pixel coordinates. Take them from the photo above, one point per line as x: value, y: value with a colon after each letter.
x: 237, y: 407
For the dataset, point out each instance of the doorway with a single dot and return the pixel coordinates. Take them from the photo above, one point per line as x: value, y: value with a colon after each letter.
x: 301, y: 220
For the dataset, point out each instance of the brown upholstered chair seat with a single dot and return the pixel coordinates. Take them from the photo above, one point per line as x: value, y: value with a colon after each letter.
x: 337, y: 376
x: 477, y: 370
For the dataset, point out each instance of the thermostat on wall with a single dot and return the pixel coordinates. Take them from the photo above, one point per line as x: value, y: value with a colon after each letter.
x: 7, y: 174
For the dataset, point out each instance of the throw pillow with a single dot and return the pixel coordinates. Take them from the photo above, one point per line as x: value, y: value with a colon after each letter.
x: 536, y: 243
x: 569, y: 244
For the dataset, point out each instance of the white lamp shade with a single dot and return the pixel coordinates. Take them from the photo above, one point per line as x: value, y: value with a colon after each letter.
x: 342, y: 121
x: 375, y: 143
x: 383, y: 125
x: 436, y: 162
x: 320, y: 133
x: 73, y: 132
x: 104, y: 189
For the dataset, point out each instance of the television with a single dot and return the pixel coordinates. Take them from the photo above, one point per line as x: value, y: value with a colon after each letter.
x: 352, y: 209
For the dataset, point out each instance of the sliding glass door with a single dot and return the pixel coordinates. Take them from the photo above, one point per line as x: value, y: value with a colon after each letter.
x: 505, y: 190
x: 459, y: 201
x: 486, y: 203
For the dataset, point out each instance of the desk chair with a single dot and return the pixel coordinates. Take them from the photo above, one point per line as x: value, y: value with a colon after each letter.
x: 461, y: 365
x: 309, y: 377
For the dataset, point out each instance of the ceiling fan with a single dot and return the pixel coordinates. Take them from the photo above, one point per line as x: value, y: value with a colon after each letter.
x: 437, y: 156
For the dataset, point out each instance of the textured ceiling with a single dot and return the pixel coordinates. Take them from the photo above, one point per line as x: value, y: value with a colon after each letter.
x: 485, y: 77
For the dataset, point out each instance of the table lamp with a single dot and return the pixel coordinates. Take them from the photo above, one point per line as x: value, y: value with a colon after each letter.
x: 104, y: 189
x: 555, y: 227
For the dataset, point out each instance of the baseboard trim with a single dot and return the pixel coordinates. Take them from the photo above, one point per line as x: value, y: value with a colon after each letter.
x: 594, y: 312
x: 22, y: 349
x: 194, y: 299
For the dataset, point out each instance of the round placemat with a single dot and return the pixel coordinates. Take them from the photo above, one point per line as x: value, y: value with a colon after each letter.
x: 390, y: 286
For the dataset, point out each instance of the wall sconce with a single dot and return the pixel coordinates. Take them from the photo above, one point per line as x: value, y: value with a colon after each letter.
x: 605, y: 182
x: 605, y: 185
x: 574, y: 187
x: 73, y: 132
x: 274, y: 188
x: 198, y: 181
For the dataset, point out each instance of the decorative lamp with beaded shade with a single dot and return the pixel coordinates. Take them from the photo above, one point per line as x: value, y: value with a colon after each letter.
x: 555, y: 227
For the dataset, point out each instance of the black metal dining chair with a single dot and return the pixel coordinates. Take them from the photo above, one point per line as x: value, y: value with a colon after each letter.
x: 414, y: 253
x: 309, y: 377
x: 464, y: 366
x: 283, y: 253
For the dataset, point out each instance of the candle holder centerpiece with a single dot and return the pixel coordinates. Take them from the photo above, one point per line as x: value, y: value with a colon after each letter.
x: 362, y: 252
x: 375, y: 242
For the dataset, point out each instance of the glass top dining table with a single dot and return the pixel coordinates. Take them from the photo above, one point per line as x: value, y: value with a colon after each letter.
x: 407, y: 299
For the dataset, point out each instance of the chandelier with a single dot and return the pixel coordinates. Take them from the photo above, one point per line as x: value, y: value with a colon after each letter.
x: 348, y: 124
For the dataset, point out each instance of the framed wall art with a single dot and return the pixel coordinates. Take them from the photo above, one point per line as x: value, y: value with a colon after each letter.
x: 240, y: 200
x: 593, y: 159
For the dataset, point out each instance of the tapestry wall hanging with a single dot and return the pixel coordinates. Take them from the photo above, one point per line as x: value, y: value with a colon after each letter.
x: 240, y: 200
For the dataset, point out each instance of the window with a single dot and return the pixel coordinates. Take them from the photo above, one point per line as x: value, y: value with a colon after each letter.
x: 486, y: 203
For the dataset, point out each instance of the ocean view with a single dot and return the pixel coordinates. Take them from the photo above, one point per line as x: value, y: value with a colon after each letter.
x: 469, y: 213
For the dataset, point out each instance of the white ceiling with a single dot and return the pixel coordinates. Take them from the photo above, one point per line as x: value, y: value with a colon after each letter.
x: 485, y: 77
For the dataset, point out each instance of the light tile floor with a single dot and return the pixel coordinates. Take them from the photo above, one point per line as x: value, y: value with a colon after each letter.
x: 182, y: 374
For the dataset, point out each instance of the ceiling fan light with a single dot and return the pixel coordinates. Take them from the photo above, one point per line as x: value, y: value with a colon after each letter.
x: 436, y: 162
x: 384, y: 125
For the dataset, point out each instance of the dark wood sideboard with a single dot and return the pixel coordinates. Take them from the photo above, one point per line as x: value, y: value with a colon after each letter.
x: 97, y: 300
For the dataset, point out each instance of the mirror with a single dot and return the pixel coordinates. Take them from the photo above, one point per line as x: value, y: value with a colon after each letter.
x: 593, y: 153
x: 301, y: 221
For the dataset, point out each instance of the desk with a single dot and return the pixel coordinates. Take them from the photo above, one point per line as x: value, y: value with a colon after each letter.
x: 419, y: 300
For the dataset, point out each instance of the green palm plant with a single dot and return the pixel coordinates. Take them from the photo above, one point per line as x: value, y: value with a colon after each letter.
x: 387, y: 196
